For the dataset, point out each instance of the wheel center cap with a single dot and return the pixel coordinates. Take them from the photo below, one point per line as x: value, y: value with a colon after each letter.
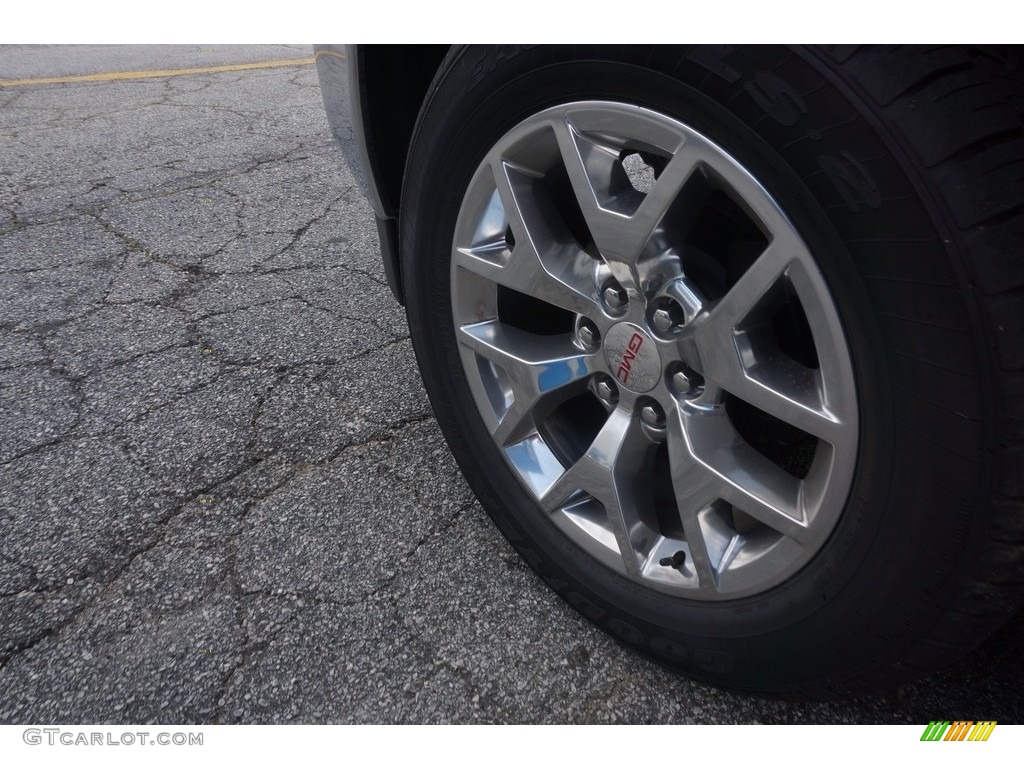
x: 632, y: 357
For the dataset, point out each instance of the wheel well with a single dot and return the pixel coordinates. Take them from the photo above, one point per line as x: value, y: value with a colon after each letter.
x: 395, y: 79
x: 393, y: 82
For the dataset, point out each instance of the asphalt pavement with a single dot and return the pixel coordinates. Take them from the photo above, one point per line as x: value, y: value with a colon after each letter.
x: 223, y: 495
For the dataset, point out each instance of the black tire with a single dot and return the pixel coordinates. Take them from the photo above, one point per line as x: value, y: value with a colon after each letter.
x: 903, y: 167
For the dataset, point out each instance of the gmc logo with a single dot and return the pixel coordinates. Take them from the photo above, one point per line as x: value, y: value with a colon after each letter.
x: 635, y: 342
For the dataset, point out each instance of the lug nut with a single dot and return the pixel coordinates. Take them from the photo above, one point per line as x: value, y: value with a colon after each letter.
x: 606, y: 390
x: 653, y: 416
x: 681, y: 383
x: 668, y: 317
x: 662, y: 320
x: 687, y: 382
x: 587, y: 334
x: 615, y: 297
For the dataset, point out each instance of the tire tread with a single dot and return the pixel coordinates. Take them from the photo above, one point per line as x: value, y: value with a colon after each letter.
x: 961, y: 122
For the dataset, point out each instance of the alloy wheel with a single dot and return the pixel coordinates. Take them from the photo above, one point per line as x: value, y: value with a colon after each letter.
x: 654, y: 350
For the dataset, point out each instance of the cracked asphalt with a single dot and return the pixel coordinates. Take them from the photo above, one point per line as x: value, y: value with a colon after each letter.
x: 223, y: 496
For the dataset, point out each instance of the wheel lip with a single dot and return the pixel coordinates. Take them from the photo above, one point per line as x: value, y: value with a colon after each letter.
x: 763, y: 208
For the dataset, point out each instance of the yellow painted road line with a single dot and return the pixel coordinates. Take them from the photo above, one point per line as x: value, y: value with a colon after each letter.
x: 103, y: 77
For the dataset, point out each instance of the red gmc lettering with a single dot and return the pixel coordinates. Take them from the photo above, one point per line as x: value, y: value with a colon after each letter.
x: 635, y: 342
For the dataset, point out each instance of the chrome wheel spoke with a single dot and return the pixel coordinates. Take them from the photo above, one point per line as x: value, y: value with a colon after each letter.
x: 709, y: 466
x: 608, y: 472
x: 572, y: 289
x: 541, y: 371
x: 664, y: 192
x: 539, y: 266
x: 729, y: 312
x: 788, y: 392
x: 621, y: 219
x: 714, y: 459
x: 694, y: 489
x: 769, y: 381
